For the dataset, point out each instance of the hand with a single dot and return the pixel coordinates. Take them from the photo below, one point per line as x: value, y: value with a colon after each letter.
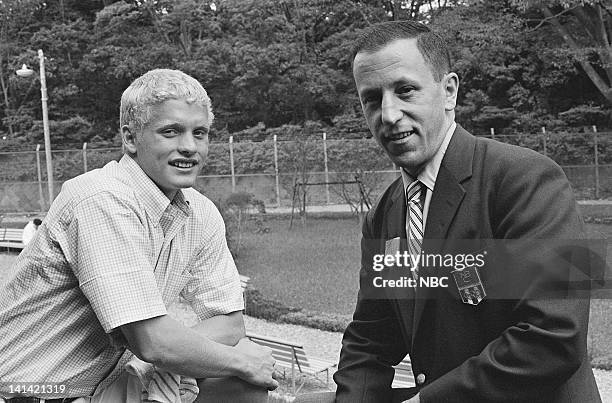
x: 413, y: 399
x: 258, y: 364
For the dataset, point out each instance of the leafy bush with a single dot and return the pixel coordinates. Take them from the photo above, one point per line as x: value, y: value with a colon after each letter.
x: 261, y: 307
x: 74, y: 130
x: 317, y: 320
x: 586, y: 115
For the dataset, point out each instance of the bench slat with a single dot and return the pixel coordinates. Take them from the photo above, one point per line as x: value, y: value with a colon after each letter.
x: 13, y: 245
x: 274, y: 340
x: 244, y: 280
x: 287, y: 351
x: 286, y: 354
x: 11, y: 238
x: 273, y: 345
x: 287, y: 357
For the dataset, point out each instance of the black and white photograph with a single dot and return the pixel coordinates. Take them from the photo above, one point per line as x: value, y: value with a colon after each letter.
x: 308, y: 201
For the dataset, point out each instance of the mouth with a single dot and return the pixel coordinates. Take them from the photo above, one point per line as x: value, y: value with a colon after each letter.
x: 400, y: 135
x: 184, y: 163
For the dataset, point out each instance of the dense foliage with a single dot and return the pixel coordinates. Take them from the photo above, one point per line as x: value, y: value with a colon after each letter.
x: 270, y: 66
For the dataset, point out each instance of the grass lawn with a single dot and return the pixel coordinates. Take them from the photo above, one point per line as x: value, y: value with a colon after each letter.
x: 315, y: 266
x: 600, y: 326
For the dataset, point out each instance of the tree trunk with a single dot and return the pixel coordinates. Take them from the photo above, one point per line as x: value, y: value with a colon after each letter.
x: 606, y: 52
x: 593, y: 75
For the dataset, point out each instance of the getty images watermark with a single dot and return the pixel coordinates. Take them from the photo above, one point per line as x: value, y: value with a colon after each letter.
x: 413, y: 262
x: 478, y: 269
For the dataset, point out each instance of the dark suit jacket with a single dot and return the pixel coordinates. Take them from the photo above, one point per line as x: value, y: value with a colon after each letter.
x: 522, y: 349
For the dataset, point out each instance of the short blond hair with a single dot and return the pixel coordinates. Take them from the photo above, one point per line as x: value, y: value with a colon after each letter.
x: 157, y: 86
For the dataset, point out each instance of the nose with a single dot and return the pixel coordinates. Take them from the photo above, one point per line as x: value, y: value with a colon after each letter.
x: 390, y: 110
x: 187, y: 144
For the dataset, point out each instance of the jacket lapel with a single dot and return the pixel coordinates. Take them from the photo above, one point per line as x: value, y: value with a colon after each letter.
x: 403, y: 298
x: 447, y: 196
x: 396, y: 213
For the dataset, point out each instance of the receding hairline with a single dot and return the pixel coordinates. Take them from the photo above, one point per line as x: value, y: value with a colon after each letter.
x: 373, y: 49
x: 380, y: 35
x: 432, y: 47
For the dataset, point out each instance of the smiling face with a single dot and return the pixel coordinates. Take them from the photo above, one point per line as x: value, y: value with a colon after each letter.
x: 172, y: 147
x: 407, y: 111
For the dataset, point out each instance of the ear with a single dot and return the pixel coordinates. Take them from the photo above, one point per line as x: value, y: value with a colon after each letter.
x: 451, y: 89
x: 128, y: 139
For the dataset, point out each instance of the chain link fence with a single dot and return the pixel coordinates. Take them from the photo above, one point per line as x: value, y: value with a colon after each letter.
x: 270, y: 169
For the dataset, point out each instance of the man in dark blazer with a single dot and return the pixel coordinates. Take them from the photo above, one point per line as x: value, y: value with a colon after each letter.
x: 512, y: 341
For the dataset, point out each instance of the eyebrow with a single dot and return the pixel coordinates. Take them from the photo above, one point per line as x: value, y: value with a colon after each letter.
x: 398, y: 83
x: 175, y: 126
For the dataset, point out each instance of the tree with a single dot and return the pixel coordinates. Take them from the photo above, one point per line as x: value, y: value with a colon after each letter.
x: 15, y: 18
x: 586, y: 28
x: 287, y: 62
x: 511, y: 76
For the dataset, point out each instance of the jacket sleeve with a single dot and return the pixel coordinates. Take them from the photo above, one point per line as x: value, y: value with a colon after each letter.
x: 372, y: 342
x: 546, y: 344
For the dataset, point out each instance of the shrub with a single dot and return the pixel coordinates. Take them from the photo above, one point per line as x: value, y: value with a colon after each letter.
x: 317, y: 320
x: 586, y: 115
x: 261, y: 307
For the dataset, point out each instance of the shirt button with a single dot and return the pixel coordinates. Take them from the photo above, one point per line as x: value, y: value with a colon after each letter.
x: 420, y: 379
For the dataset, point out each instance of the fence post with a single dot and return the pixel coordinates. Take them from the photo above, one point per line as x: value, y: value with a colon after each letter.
x: 326, y: 170
x: 544, y: 141
x: 40, y: 187
x: 85, y: 157
x: 492, y: 133
x: 231, y: 149
x: 277, y: 179
x: 596, y: 155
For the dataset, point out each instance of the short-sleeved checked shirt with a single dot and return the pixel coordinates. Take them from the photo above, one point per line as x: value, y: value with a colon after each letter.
x: 112, y: 250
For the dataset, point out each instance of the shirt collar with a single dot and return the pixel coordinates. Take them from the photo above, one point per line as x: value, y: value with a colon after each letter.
x: 429, y: 173
x: 154, y: 200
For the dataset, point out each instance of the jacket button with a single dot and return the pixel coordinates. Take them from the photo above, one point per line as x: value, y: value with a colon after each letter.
x: 420, y: 379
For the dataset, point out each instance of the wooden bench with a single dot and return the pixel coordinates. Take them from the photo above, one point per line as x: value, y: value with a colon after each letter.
x: 10, y: 238
x: 404, y: 378
x: 290, y: 355
x: 244, y: 282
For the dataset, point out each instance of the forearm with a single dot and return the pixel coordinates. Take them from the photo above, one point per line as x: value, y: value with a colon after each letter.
x: 225, y: 329
x: 170, y: 345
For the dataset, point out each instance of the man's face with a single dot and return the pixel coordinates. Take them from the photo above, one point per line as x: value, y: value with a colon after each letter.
x: 407, y: 111
x: 171, y: 148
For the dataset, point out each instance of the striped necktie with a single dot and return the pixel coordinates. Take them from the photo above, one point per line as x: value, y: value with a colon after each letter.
x: 414, y: 218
